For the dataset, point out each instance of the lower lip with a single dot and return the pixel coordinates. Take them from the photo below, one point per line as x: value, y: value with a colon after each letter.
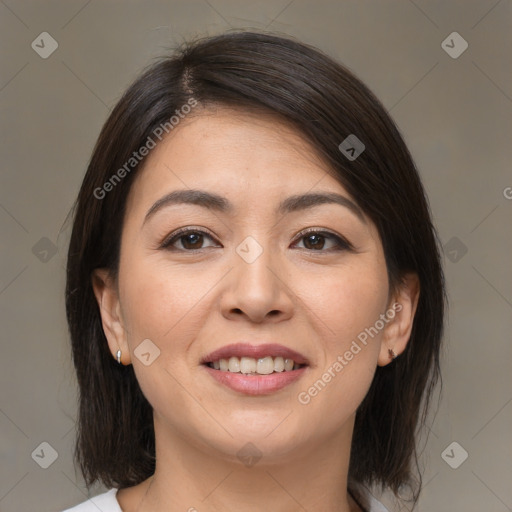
x: 256, y: 384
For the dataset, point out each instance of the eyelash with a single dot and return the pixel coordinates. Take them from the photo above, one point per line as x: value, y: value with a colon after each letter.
x: 341, y: 243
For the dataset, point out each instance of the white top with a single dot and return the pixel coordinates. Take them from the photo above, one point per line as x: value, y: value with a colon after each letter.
x: 107, y: 502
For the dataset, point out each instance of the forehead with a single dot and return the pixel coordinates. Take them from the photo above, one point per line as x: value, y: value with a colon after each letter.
x: 243, y: 155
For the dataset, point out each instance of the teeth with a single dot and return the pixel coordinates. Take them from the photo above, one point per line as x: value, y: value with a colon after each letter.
x: 234, y: 364
x: 265, y: 365
x: 278, y: 364
x: 249, y: 365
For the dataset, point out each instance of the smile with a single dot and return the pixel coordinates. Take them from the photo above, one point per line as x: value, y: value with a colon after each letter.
x: 255, y: 369
x: 252, y: 366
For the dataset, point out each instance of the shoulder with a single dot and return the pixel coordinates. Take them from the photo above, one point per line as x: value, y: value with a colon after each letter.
x: 366, y: 499
x: 106, y: 502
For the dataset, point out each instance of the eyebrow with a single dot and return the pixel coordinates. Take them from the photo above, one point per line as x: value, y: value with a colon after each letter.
x: 218, y: 203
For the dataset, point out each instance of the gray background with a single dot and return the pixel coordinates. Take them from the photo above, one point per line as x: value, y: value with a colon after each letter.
x: 455, y: 114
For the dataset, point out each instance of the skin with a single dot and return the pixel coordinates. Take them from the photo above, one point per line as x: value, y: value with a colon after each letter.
x: 189, y: 302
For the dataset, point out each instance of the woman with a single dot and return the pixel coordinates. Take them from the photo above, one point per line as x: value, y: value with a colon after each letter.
x: 254, y: 289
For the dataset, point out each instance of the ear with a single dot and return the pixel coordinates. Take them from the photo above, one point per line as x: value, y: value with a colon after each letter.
x: 105, y: 291
x: 401, y: 311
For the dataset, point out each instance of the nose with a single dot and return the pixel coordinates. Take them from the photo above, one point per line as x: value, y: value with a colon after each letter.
x: 257, y: 291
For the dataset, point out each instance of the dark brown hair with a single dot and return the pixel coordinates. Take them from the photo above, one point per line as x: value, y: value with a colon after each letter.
x: 326, y: 103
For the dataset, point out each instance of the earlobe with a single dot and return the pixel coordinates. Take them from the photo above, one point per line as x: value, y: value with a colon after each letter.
x: 402, y: 309
x: 106, y: 294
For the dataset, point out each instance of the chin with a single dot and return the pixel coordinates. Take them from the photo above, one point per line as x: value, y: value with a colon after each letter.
x: 270, y: 438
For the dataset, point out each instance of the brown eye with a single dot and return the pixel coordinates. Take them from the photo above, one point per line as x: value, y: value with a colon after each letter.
x: 189, y: 239
x: 314, y: 241
x: 192, y: 240
x: 323, y: 241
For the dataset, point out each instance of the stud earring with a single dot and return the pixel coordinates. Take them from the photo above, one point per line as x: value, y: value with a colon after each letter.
x: 392, y: 354
x: 118, y: 356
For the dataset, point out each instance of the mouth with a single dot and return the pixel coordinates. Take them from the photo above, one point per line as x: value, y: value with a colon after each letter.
x: 251, y: 366
x: 255, y: 369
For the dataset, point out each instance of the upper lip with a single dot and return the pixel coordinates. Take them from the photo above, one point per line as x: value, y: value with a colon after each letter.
x: 256, y: 351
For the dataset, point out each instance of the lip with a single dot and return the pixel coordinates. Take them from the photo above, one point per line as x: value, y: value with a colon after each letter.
x: 256, y: 351
x: 255, y: 384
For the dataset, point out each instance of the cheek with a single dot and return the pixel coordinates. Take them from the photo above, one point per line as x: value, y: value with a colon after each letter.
x: 162, y: 304
x: 345, y: 301
x: 159, y: 302
x: 346, y: 305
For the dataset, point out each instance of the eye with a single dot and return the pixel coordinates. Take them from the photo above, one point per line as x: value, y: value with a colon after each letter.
x: 315, y: 240
x: 190, y: 240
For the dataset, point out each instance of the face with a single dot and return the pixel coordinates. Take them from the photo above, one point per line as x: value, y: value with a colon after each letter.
x: 247, y: 280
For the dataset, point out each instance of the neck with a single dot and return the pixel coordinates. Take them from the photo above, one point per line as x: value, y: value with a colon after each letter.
x: 195, y: 478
